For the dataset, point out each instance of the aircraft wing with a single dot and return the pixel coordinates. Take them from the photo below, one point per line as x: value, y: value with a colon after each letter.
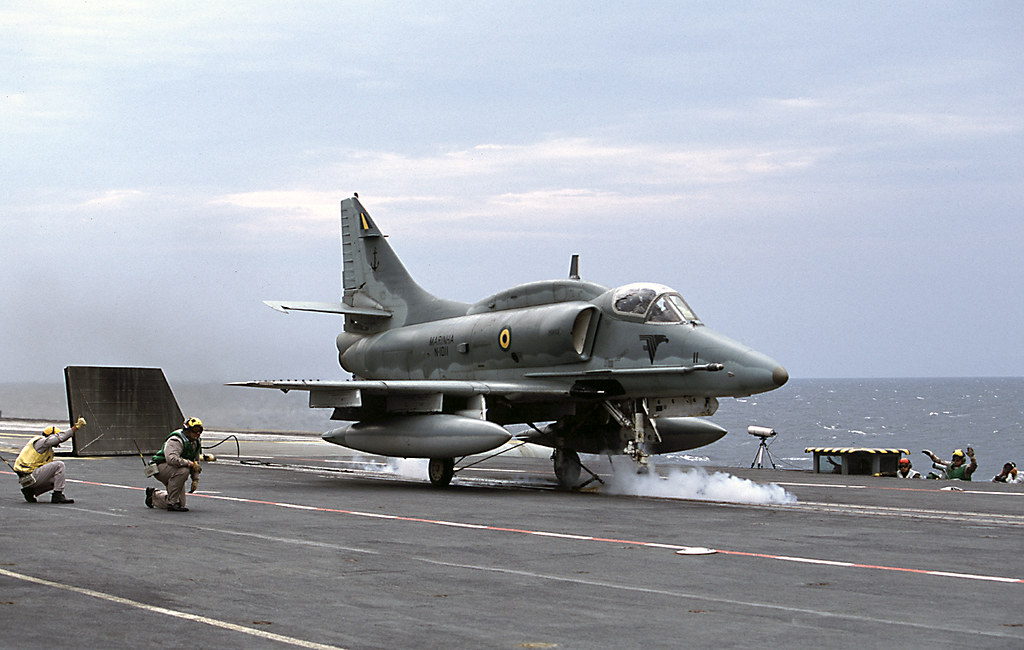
x: 536, y: 386
x: 511, y: 390
x: 613, y: 372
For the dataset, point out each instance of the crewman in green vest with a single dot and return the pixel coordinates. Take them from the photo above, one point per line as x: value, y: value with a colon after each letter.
x: 176, y: 461
x: 955, y: 469
x: 37, y: 471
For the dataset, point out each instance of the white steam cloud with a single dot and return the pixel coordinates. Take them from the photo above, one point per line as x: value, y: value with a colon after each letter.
x: 695, y: 484
x: 414, y: 468
x: 411, y: 468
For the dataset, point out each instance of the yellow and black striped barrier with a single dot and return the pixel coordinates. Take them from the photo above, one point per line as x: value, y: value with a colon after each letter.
x: 855, y: 460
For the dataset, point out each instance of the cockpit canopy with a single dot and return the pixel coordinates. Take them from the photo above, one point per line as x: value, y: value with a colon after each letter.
x: 656, y: 303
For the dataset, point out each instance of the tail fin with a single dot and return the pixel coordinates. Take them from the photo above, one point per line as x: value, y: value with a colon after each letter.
x: 374, y: 279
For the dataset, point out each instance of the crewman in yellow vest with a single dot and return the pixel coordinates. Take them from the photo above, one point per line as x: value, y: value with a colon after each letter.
x: 38, y: 471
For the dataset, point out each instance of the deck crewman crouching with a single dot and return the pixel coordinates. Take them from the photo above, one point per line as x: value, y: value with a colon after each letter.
x: 37, y: 471
x: 176, y: 461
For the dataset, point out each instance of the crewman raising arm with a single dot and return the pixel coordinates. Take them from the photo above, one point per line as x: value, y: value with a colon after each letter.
x: 956, y: 468
x: 38, y: 471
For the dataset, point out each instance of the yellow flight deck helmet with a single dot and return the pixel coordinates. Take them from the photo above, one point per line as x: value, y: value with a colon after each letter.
x: 958, y: 452
x: 49, y: 431
x: 193, y: 423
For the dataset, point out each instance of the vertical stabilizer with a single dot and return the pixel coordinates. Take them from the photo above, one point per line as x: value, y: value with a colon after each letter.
x: 374, y: 278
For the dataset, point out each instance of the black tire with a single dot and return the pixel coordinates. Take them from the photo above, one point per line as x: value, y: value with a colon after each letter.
x: 440, y: 471
x: 567, y: 468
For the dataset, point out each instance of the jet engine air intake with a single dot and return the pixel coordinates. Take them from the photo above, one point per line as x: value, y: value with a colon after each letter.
x: 547, y: 335
x: 580, y: 330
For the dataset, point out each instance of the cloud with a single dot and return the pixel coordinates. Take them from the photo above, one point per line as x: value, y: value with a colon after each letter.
x: 294, y: 204
x: 798, y: 103
x: 111, y: 199
x: 923, y: 108
x: 613, y: 163
x: 94, y: 35
x: 504, y: 187
x: 932, y: 125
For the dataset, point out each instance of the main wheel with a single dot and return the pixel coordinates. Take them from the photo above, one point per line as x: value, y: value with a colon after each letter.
x: 441, y: 471
x: 567, y: 467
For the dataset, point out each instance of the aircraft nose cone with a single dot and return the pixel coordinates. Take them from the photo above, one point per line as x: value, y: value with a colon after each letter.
x: 780, y: 376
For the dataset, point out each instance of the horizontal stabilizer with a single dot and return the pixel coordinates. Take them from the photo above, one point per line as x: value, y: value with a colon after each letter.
x: 326, y: 308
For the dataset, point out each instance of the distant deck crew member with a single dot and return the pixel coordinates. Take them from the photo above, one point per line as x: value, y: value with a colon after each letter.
x: 38, y: 471
x: 955, y: 469
x: 176, y: 461
x: 1009, y: 474
x: 904, y: 469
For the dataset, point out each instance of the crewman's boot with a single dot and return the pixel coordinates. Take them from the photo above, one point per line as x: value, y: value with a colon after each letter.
x: 149, y: 496
x: 176, y: 507
x: 30, y: 494
x: 58, y: 497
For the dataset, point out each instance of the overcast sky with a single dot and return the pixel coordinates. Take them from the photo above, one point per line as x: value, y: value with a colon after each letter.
x: 839, y: 185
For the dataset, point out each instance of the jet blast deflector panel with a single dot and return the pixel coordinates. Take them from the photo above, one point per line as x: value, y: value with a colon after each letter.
x: 123, y: 407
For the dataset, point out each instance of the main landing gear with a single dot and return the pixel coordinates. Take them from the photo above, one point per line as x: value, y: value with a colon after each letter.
x: 567, y: 469
x: 441, y: 471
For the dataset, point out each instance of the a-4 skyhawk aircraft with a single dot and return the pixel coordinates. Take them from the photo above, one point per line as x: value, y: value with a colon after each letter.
x: 623, y: 370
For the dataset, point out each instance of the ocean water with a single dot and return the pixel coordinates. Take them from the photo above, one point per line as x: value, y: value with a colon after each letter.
x: 915, y: 414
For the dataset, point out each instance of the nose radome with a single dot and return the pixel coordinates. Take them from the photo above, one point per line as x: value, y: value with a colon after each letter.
x: 780, y: 376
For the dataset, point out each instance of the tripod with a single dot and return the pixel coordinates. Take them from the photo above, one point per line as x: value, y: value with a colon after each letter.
x: 762, y: 451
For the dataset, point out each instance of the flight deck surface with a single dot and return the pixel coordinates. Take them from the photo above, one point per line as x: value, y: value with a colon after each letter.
x: 296, y: 543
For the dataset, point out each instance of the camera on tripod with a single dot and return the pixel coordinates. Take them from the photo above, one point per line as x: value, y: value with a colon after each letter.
x: 762, y: 448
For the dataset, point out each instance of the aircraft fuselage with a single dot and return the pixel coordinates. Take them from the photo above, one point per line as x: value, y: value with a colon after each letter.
x: 586, y: 344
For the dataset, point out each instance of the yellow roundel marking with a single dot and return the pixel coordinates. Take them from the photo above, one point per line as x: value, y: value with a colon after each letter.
x: 505, y: 338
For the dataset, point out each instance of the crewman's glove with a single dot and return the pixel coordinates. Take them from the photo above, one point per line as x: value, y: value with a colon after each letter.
x: 79, y: 424
x: 196, y: 467
x: 970, y: 452
x: 194, y: 486
x: 928, y: 453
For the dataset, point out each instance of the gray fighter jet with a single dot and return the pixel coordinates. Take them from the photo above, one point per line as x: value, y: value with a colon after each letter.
x: 588, y: 368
